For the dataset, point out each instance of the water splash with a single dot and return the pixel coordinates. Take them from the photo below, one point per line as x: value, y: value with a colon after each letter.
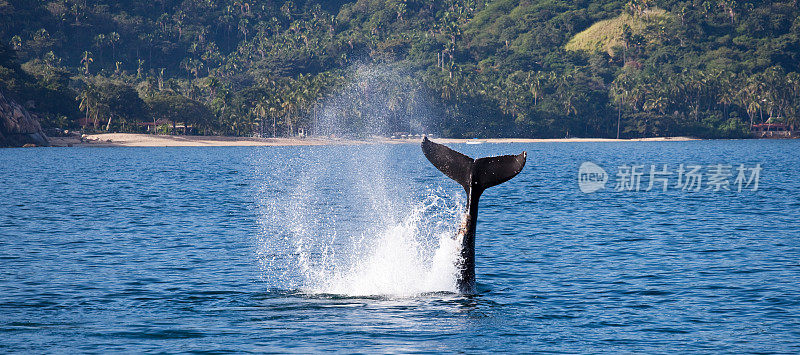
x: 379, y: 100
x: 348, y: 220
x: 328, y: 237
x: 405, y: 259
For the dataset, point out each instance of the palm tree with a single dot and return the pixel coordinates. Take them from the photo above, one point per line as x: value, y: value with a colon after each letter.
x: 16, y: 42
x: 750, y: 97
x: 260, y: 111
x: 161, y: 79
x: 273, y: 111
x: 140, y: 64
x: 87, y: 100
x: 698, y: 83
x: 87, y: 59
x: 729, y: 6
x: 243, y: 27
x: 113, y: 39
x: 727, y: 94
x: 656, y: 102
x: 793, y: 82
x: 618, y: 93
x: 536, y: 86
x: 179, y: 17
x: 289, y: 107
x: 51, y: 59
x: 100, y: 42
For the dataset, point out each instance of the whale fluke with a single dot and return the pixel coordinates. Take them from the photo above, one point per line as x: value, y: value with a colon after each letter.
x: 475, y: 175
x: 492, y: 171
x: 482, y: 173
x: 455, y: 165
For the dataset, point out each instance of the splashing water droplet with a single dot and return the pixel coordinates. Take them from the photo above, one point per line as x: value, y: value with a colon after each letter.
x: 348, y: 220
x: 378, y: 100
x: 403, y: 260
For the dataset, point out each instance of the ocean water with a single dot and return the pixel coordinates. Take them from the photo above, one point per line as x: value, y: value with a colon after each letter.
x: 347, y: 248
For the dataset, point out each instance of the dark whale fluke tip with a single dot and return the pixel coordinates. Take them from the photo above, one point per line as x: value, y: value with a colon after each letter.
x: 475, y: 176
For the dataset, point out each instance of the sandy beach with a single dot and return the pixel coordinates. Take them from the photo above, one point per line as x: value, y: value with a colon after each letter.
x: 149, y: 140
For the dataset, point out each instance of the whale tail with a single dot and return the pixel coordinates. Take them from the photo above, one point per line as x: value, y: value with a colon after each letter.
x: 475, y: 175
x: 479, y: 174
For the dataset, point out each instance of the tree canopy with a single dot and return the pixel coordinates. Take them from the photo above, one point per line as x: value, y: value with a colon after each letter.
x: 486, y: 68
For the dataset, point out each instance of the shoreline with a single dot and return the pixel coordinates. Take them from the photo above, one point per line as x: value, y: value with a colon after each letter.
x: 149, y: 140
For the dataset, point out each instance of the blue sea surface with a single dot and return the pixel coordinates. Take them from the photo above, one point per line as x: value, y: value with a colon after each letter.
x: 214, y: 249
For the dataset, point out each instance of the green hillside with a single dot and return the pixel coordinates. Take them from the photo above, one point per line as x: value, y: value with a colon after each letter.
x: 606, y: 35
x: 522, y: 68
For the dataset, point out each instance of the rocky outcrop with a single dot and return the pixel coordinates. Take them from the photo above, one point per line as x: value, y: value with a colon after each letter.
x: 17, y: 126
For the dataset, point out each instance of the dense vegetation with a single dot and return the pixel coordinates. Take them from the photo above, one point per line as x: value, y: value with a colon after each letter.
x: 524, y: 68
